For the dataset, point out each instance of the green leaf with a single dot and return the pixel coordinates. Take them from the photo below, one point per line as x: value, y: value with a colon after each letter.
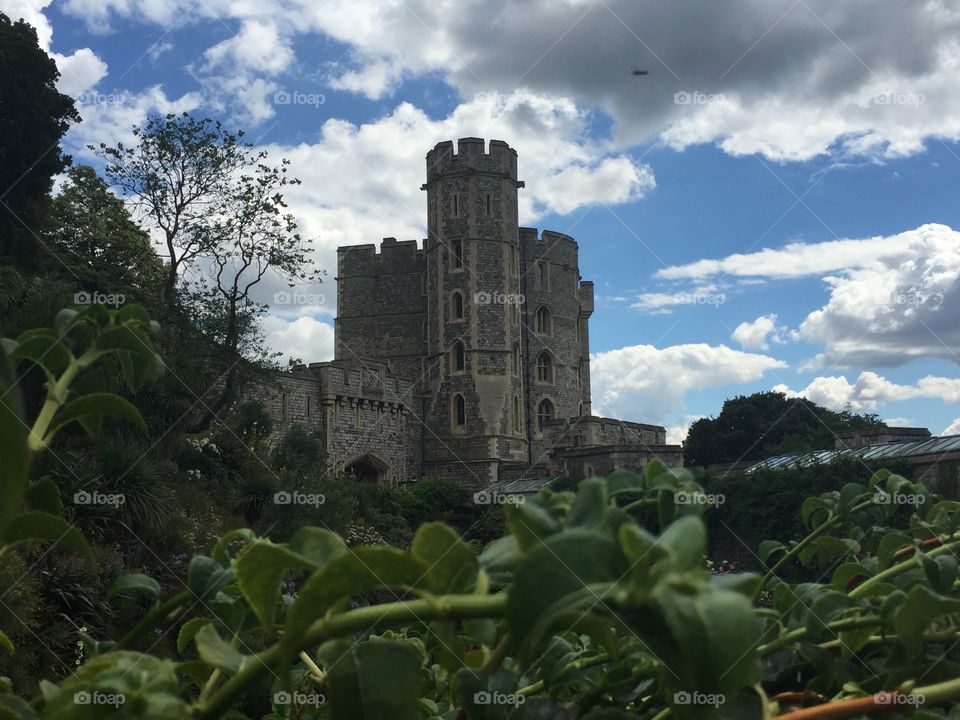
x: 814, y: 511
x: 134, y: 583
x: 920, y: 608
x: 13, y: 441
x: 260, y: 568
x: 318, y: 545
x: 189, y: 630
x: 641, y: 549
x: 44, y: 495
x: 686, y: 542
x: 891, y: 543
x: 13, y: 708
x: 5, y: 643
x: 589, y: 506
x: 452, y: 566
x: 206, y: 577
x: 35, y: 525
x: 43, y: 347
x: 558, y: 576
x: 530, y: 522
x: 374, y: 680
x: 768, y: 548
x: 216, y: 651
x: 96, y: 405
x: 359, y: 570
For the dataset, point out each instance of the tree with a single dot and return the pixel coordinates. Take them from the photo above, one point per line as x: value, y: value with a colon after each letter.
x: 34, y: 115
x: 767, y: 423
x: 178, y: 171
x: 94, y: 238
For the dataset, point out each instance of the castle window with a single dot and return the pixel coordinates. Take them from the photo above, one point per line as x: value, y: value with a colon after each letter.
x: 308, y: 407
x: 457, y: 303
x: 516, y: 414
x: 356, y: 415
x: 544, y: 413
x: 489, y: 205
x: 456, y: 254
x: 580, y: 410
x: 459, y: 359
x: 283, y: 406
x: 545, y: 368
x: 516, y: 359
x: 456, y: 205
x: 544, y: 323
x: 459, y: 412
x: 543, y: 275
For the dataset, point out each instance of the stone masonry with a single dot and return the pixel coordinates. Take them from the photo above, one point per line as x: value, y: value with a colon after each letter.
x: 466, y: 356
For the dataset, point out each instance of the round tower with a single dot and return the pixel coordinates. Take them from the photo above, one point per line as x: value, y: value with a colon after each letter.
x: 475, y: 410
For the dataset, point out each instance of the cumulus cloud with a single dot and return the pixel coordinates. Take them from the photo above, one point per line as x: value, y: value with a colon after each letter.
x: 871, y: 390
x: 953, y: 428
x: 787, y: 79
x: 304, y: 338
x: 757, y: 335
x: 892, y: 298
x: 645, y: 383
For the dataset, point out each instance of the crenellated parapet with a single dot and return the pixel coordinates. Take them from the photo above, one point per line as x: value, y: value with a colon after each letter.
x: 391, y: 256
x: 470, y: 157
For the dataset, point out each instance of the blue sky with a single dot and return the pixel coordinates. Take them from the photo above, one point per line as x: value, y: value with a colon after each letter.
x: 770, y: 206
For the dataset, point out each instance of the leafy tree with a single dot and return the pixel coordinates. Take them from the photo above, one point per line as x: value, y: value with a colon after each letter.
x: 93, y: 236
x: 758, y: 426
x: 34, y: 115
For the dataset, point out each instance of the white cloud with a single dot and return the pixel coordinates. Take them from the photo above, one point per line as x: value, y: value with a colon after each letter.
x: 953, y: 428
x: 645, y: 383
x: 304, y: 338
x: 81, y: 70
x: 788, y: 79
x: 871, y: 390
x: 898, y: 422
x: 758, y: 334
x: 677, y: 432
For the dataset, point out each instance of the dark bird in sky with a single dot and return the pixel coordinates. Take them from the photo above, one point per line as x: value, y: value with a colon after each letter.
x: 641, y: 72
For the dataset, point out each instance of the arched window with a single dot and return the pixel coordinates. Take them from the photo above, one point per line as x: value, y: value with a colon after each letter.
x: 544, y: 368
x: 516, y: 359
x: 544, y: 324
x: 459, y: 359
x: 544, y: 413
x: 580, y: 410
x: 517, y: 424
x: 457, y: 305
x: 459, y: 411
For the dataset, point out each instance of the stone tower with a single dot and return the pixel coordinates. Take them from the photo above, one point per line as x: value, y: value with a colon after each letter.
x: 476, y: 416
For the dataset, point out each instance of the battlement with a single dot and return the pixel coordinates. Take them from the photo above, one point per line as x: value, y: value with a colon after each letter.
x: 390, y: 257
x: 471, y: 157
x: 548, y: 237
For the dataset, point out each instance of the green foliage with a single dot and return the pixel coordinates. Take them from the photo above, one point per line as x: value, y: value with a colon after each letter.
x: 758, y: 426
x: 34, y: 115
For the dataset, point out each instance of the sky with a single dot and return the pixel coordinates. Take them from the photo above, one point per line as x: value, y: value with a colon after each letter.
x: 764, y: 192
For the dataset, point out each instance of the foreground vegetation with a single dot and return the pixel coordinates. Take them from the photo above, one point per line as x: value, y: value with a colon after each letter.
x: 595, y: 603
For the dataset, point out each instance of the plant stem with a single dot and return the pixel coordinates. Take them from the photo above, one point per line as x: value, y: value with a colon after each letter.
x: 154, y: 616
x: 913, y: 561
x: 836, y: 626
x: 881, y: 703
x: 362, y: 619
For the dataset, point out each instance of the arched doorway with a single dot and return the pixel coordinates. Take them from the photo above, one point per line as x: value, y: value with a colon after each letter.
x: 368, y: 468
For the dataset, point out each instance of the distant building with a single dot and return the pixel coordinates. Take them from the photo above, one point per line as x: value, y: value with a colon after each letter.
x: 466, y: 357
x: 878, y: 435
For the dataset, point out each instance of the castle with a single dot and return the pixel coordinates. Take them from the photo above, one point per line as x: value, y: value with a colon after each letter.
x: 467, y: 357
